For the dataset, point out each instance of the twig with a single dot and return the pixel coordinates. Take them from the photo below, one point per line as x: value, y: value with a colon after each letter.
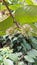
x: 17, y: 24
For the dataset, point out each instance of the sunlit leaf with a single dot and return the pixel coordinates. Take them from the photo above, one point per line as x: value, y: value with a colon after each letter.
x: 26, y: 14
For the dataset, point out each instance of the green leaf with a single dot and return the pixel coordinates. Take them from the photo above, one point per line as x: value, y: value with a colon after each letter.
x: 26, y: 14
x: 2, y: 7
x: 26, y: 45
x: 13, y: 57
x: 21, y: 63
x: 5, y: 24
x: 33, y: 42
x: 8, y: 62
x: 14, y: 7
x: 32, y: 53
x: 29, y: 2
x: 29, y: 59
x: 1, y: 59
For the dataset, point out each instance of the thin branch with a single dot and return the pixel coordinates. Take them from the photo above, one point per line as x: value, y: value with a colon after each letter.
x: 17, y: 24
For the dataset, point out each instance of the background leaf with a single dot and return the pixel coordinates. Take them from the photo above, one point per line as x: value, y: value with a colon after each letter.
x: 26, y: 14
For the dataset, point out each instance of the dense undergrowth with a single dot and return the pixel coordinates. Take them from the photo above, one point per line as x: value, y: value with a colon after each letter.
x: 18, y: 50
